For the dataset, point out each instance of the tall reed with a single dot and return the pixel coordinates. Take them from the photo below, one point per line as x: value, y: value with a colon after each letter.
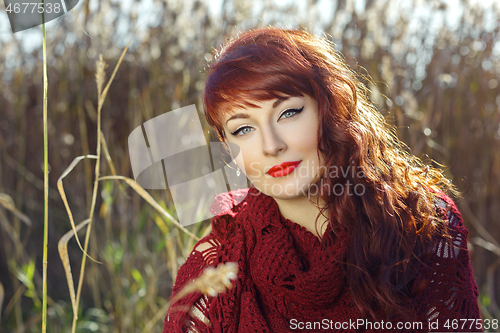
x: 443, y: 101
x: 45, y: 180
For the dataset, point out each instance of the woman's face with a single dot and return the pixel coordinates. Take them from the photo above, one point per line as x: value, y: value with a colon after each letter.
x: 278, y: 143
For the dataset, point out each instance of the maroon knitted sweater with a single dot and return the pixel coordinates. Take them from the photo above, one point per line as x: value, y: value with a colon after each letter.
x: 290, y: 281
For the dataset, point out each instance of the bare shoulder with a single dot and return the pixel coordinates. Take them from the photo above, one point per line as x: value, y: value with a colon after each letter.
x: 205, y: 246
x: 207, y: 249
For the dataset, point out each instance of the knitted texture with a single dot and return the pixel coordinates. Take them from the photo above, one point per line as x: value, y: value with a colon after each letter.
x: 291, y: 281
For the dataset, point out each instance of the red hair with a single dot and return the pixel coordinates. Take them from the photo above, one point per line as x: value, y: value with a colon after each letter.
x: 393, y: 222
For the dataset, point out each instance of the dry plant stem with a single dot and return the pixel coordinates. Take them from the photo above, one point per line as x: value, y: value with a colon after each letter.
x: 77, y: 20
x: 63, y: 253
x: 142, y: 192
x: 476, y: 224
x: 110, y: 163
x: 486, y: 245
x: 26, y: 174
x: 45, y: 181
x: 14, y: 300
x: 84, y: 138
x: 22, y: 156
x: 91, y: 215
x: 16, y: 285
x: 7, y: 202
x: 213, y: 281
x: 62, y: 246
x: 100, y: 75
x: 14, y: 236
x: 158, y: 315
x: 62, y: 193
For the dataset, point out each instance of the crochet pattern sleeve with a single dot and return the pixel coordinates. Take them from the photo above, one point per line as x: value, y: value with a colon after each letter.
x: 191, y: 312
x: 196, y: 312
x: 449, y: 300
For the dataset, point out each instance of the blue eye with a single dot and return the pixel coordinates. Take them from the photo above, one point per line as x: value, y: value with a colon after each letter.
x: 290, y: 113
x: 242, y: 131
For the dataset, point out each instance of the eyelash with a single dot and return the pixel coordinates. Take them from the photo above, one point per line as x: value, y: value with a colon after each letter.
x: 296, y: 111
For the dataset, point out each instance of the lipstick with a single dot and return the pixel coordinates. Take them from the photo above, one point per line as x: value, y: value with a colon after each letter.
x: 283, y: 169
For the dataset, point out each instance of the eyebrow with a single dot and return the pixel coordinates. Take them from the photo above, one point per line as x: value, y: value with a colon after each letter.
x: 246, y: 115
x: 238, y: 116
x: 279, y: 101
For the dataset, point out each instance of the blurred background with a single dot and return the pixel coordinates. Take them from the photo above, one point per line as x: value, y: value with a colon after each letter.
x: 435, y: 69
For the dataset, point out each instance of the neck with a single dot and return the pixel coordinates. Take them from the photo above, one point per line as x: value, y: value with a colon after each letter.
x: 304, y: 212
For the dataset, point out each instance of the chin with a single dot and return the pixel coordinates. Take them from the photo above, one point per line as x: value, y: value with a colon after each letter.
x: 284, y: 191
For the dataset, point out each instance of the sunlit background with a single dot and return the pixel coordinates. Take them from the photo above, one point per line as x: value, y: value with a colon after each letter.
x: 435, y: 72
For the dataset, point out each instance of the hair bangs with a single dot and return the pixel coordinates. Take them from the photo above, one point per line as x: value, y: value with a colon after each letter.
x: 255, y: 70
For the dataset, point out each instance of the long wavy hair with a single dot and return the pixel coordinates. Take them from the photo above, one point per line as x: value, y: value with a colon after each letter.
x: 393, y: 224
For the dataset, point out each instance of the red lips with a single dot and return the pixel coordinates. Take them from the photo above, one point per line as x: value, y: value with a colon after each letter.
x: 283, y: 169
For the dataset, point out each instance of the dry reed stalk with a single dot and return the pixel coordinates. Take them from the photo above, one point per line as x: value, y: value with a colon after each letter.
x: 18, y: 255
x: 172, y: 253
x: 8, y: 203
x: 486, y: 245
x: 85, y: 147
x: 110, y: 163
x: 77, y: 20
x: 466, y: 210
x: 45, y: 180
x: 18, y: 252
x: 21, y: 157
x: 62, y: 193
x: 26, y: 174
x: 158, y: 315
x: 15, y: 299
x: 213, y: 281
x: 20, y: 113
x: 100, y: 78
x: 146, y: 196
x: 63, y: 241
x: 11, y: 231
x: 63, y: 253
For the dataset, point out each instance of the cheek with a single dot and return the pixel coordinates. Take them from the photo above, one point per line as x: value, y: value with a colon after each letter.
x: 305, y: 137
x: 310, y: 143
x: 248, y: 162
x: 240, y: 161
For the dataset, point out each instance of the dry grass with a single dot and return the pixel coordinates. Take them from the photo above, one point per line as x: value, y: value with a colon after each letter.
x: 450, y: 114
x: 211, y: 282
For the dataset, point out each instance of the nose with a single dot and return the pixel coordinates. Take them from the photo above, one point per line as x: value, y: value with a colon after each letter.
x: 272, y: 143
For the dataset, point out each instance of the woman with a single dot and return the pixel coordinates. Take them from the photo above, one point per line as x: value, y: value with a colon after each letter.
x: 342, y: 229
